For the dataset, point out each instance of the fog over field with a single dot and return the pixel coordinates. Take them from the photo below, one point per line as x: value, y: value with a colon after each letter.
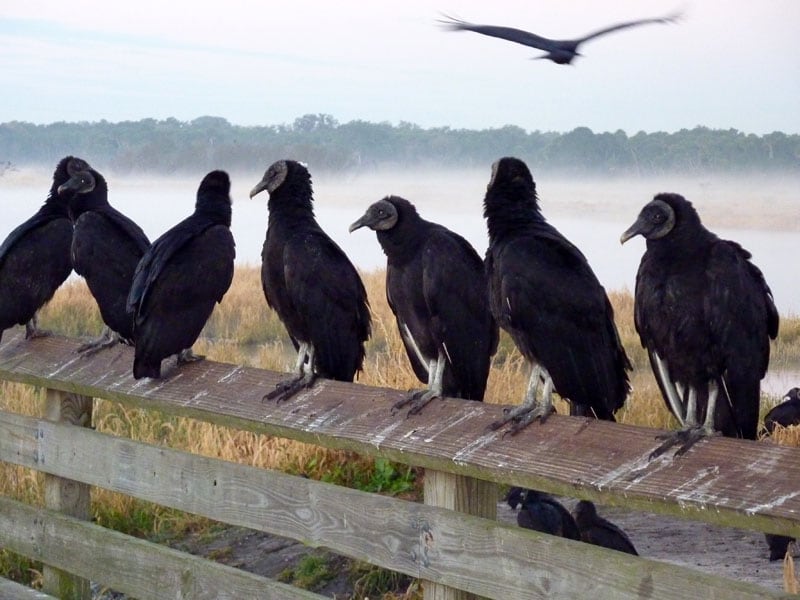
x: 760, y: 212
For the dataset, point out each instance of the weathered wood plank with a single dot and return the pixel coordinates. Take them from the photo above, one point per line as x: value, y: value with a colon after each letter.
x: 452, y: 549
x: 722, y: 481
x: 67, y: 496
x: 127, y: 564
x: 463, y: 494
x: 11, y: 590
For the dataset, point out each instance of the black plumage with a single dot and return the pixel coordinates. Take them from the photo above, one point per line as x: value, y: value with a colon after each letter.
x: 35, y: 256
x: 541, y: 512
x: 706, y: 316
x: 785, y: 414
x: 312, y: 285
x: 179, y: 279
x: 596, y: 530
x: 544, y: 293
x: 778, y: 545
x: 436, y: 288
x: 106, y: 247
x: 561, y: 52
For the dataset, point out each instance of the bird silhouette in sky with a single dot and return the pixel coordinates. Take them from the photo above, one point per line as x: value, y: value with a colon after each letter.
x: 561, y: 52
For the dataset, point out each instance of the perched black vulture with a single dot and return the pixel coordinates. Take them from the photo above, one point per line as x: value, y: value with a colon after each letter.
x: 542, y: 512
x: 436, y: 288
x: 180, y: 278
x: 705, y: 315
x: 561, y: 52
x: 543, y: 292
x: 310, y: 283
x: 106, y: 247
x: 596, y: 530
x: 778, y: 545
x: 34, y: 258
x: 785, y: 414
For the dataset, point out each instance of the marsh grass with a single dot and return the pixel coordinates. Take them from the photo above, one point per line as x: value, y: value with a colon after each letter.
x: 790, y: 583
x: 243, y: 330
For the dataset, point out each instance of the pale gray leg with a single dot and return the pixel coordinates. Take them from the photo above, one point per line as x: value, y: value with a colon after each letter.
x: 691, y: 432
x: 530, y: 410
x: 32, y: 329
x: 106, y: 340
x: 304, y: 378
x: 187, y: 355
x: 421, y: 398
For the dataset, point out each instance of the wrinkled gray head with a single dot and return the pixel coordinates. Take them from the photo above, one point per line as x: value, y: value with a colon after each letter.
x: 80, y: 182
x: 279, y: 173
x: 656, y: 220
x: 381, y: 216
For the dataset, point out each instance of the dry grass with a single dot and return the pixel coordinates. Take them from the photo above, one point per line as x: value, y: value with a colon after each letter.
x: 790, y: 583
x: 243, y: 330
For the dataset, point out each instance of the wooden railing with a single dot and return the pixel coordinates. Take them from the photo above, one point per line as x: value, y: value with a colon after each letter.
x: 452, y: 542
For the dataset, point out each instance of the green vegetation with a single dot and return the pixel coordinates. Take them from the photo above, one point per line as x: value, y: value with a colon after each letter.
x: 171, y: 146
x: 313, y: 571
x: 20, y: 569
x: 373, y: 582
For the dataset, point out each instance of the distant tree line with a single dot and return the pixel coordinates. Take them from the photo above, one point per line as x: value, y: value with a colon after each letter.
x: 172, y: 146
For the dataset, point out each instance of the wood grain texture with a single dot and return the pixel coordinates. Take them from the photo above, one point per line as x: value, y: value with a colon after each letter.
x: 127, y: 564
x: 67, y: 496
x: 11, y: 590
x: 736, y: 483
x: 456, y: 550
x: 462, y: 494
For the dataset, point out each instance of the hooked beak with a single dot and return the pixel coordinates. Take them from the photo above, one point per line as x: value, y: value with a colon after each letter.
x: 630, y: 232
x: 260, y: 187
x: 72, y: 184
x: 358, y: 224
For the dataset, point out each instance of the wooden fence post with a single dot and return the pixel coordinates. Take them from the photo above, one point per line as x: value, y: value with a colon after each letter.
x: 463, y: 494
x: 66, y: 495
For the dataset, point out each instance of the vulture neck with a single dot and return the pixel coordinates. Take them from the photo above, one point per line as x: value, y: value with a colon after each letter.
x: 403, y: 241
x: 506, y: 215
x: 293, y: 204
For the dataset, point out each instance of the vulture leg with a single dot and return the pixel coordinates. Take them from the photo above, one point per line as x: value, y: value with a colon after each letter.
x: 304, y: 378
x: 530, y: 410
x: 691, y: 432
x: 421, y: 398
x: 106, y: 340
x: 187, y: 356
x: 32, y: 329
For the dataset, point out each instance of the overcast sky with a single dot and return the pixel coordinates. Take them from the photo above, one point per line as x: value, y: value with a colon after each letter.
x: 729, y: 64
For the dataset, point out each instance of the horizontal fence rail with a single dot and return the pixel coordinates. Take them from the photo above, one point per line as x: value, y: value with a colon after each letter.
x: 729, y: 482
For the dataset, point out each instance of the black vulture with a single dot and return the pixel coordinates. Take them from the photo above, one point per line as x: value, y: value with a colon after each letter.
x: 542, y: 512
x: 180, y: 278
x: 312, y: 285
x: 106, y: 247
x: 35, y: 257
x: 436, y: 288
x: 596, y: 530
x: 778, y: 545
x: 705, y: 315
x: 785, y: 414
x: 561, y: 52
x: 544, y: 293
